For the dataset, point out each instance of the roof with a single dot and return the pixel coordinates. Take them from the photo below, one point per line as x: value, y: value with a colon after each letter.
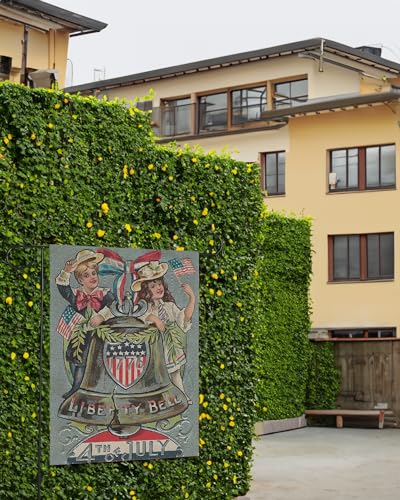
x: 76, y: 23
x: 304, y: 46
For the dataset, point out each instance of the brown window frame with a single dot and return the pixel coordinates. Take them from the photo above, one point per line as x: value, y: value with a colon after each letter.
x: 291, y: 79
x: 362, y: 259
x: 386, y: 332
x: 263, y: 162
x: 362, y: 168
x: 165, y: 107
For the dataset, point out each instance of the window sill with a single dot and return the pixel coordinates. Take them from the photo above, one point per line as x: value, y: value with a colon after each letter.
x: 386, y: 339
x: 345, y: 282
x: 353, y: 191
x: 269, y: 195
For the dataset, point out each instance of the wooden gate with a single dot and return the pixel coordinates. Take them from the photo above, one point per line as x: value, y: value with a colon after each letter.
x: 370, y: 374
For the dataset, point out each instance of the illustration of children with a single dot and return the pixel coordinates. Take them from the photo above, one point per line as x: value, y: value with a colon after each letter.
x: 161, y: 309
x: 88, y: 294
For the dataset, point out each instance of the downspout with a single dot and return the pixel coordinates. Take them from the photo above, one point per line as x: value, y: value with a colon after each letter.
x: 321, y: 57
x: 24, y: 76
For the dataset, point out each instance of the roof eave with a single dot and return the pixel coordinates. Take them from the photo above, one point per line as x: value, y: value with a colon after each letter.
x: 70, y: 20
x: 339, y: 103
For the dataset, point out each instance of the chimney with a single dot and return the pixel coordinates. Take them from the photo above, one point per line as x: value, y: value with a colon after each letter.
x: 375, y: 51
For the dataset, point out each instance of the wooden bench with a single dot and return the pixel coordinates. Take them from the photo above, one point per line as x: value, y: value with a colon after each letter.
x: 340, y: 413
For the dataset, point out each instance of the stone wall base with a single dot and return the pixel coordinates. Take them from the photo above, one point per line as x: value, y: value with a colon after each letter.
x: 287, y: 424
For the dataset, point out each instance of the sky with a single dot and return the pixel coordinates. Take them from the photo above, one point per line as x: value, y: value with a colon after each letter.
x: 142, y: 36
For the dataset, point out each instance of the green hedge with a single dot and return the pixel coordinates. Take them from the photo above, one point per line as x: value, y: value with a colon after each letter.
x: 283, y: 348
x: 61, y: 157
x: 324, y: 381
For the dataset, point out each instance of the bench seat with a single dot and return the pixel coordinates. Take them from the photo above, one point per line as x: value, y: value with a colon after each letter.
x: 341, y: 412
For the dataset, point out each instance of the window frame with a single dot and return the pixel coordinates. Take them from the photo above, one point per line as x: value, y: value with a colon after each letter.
x: 362, y: 333
x: 196, y: 97
x: 164, y: 106
x: 201, y: 131
x: 362, y: 168
x: 289, y: 79
x: 362, y: 260
x: 232, y: 107
x: 263, y: 170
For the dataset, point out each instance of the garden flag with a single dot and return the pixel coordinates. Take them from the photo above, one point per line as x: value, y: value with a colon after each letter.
x: 123, y: 354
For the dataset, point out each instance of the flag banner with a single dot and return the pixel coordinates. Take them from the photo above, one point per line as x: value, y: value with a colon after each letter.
x: 123, y: 354
x: 182, y: 267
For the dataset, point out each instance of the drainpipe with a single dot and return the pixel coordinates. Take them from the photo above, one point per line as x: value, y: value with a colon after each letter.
x: 24, y: 76
x: 321, y: 57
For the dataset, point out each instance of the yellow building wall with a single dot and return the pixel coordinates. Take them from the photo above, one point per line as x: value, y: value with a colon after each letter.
x: 336, y: 305
x: 333, y: 81
x: 46, y: 50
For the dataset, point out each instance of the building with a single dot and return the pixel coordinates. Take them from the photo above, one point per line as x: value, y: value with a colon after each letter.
x: 34, y: 36
x: 323, y: 120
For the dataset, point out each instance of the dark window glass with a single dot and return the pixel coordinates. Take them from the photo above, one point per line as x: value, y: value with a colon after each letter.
x: 380, y: 256
x: 354, y: 333
x: 289, y: 94
x: 346, y: 257
x: 349, y: 334
x: 362, y: 168
x: 144, y: 105
x: 248, y: 104
x: 275, y: 172
x: 380, y: 166
x: 213, y: 112
x: 344, y: 162
x: 176, y: 117
x: 362, y: 257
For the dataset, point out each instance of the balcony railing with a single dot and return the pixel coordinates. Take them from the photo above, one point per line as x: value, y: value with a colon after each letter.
x: 194, y: 119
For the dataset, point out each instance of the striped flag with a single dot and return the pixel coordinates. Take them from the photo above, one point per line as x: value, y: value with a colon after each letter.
x: 68, y: 321
x: 182, y: 267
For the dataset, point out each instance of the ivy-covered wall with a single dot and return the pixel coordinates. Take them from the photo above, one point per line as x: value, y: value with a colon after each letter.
x: 77, y: 170
x: 283, y: 348
x: 324, y: 378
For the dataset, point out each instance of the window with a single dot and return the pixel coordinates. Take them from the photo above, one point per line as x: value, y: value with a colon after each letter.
x: 360, y: 257
x: 144, y: 105
x: 273, y: 172
x: 176, y: 117
x: 363, y: 333
x: 248, y: 104
x: 213, y: 112
x: 363, y: 168
x: 289, y: 94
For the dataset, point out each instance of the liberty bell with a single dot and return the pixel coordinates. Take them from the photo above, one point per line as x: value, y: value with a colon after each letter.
x: 125, y: 381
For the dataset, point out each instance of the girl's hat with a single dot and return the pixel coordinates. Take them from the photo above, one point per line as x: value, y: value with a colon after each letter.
x: 88, y: 255
x: 149, y: 272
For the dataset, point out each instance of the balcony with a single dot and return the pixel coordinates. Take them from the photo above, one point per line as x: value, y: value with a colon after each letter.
x: 206, y: 119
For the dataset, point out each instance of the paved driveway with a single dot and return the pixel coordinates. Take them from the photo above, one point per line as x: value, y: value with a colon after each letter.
x: 318, y: 463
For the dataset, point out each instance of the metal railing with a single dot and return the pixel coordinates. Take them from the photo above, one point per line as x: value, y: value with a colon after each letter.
x: 197, y: 119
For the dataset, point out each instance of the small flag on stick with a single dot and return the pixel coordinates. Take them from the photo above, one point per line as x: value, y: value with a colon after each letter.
x: 182, y: 267
x: 69, y: 319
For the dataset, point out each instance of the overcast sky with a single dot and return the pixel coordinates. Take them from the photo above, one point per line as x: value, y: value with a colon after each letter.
x: 141, y: 36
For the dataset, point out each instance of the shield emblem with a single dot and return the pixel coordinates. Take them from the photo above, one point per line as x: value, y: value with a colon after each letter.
x: 126, y: 362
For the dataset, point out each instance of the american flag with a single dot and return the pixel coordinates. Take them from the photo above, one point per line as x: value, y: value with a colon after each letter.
x: 126, y: 362
x: 68, y: 321
x: 182, y: 267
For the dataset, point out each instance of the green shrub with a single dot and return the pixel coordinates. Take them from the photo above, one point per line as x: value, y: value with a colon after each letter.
x: 61, y: 157
x: 282, y: 319
x: 324, y: 381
